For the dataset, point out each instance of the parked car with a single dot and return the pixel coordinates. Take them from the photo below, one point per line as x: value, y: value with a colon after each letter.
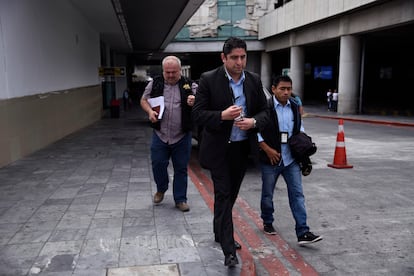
x: 197, y: 130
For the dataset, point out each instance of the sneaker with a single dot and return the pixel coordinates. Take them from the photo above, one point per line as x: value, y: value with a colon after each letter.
x: 183, y: 206
x: 308, y: 237
x: 268, y: 229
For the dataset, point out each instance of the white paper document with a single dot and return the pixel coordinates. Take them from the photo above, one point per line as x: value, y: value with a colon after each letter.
x: 157, y: 104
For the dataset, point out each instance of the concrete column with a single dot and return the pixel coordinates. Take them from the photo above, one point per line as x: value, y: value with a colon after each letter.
x: 349, y: 74
x: 297, y: 70
x: 121, y: 82
x: 266, y: 70
x: 107, y: 56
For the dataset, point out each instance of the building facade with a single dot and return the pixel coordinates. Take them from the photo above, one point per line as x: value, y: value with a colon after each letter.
x: 361, y: 48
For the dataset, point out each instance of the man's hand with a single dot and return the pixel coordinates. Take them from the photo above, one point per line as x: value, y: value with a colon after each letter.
x: 231, y: 113
x: 153, y: 116
x: 273, y: 155
x: 190, y: 100
x: 245, y: 123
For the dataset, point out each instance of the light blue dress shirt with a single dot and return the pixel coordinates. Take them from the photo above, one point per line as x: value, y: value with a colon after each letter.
x: 238, y: 99
x: 286, y: 123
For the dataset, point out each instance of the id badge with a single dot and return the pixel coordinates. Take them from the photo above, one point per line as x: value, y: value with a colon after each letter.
x: 283, y: 137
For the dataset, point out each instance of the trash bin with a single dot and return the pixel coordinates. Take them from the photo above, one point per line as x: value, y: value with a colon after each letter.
x: 115, y: 106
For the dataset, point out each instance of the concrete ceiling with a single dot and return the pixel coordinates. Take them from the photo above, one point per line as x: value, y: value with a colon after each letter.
x: 150, y: 24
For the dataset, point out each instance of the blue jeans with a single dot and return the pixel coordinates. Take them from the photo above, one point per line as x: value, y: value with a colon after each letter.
x: 293, y: 179
x: 180, y: 156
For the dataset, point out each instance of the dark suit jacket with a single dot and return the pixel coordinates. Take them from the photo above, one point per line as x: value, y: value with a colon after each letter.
x: 213, y: 96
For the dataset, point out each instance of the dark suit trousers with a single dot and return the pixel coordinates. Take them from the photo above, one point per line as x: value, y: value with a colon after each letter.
x: 227, y: 179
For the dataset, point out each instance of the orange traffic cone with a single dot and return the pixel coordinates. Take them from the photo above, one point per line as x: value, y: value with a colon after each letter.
x: 340, y: 152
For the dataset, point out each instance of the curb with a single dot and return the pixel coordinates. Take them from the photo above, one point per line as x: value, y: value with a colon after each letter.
x: 370, y: 121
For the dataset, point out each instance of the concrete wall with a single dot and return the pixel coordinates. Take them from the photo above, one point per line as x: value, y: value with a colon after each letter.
x: 49, y: 83
x: 32, y: 122
x: 298, y: 13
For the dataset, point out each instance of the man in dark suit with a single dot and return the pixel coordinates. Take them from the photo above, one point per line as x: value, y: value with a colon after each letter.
x: 230, y: 105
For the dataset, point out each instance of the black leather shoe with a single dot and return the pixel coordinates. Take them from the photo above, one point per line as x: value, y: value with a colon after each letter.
x: 230, y: 260
x: 236, y: 244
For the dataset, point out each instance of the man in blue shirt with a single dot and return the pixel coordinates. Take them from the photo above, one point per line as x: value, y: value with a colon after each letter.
x: 276, y: 159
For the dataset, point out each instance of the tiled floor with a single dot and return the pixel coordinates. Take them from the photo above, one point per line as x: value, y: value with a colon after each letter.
x: 84, y: 204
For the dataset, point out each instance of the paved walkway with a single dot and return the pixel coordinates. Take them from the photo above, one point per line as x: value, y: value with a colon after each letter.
x: 83, y: 206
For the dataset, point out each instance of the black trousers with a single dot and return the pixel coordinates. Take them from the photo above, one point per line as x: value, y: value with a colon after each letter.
x: 227, y: 179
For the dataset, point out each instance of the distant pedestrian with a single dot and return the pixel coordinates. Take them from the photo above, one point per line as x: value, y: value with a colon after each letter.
x: 299, y: 103
x: 329, y: 99
x: 126, y: 99
x: 335, y: 100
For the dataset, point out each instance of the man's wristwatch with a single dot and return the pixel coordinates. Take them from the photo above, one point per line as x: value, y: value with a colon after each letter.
x: 254, y: 123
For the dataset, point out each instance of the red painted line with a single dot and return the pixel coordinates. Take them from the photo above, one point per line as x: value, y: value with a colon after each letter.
x: 271, y: 263
x: 199, y: 183
x: 373, y: 121
x: 289, y: 253
x: 205, y: 181
x: 248, y: 267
